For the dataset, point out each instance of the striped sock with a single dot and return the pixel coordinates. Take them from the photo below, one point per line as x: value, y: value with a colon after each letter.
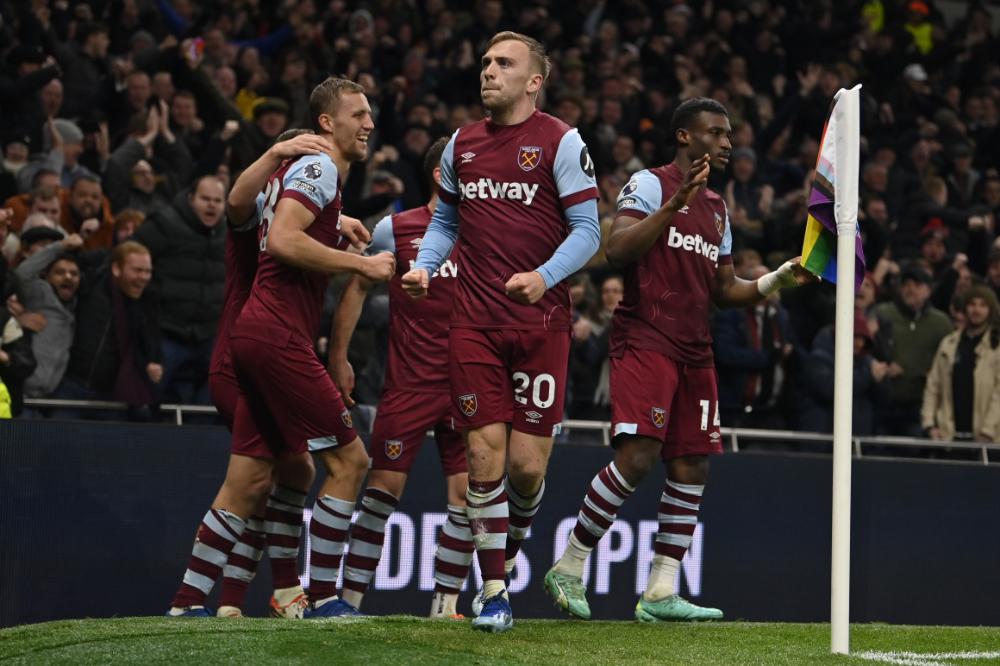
x: 487, y: 510
x: 678, y: 518
x: 283, y: 527
x: 367, y: 537
x: 242, y: 564
x: 331, y: 519
x: 454, y: 552
x: 217, y: 535
x: 522, y: 512
x: 607, y: 492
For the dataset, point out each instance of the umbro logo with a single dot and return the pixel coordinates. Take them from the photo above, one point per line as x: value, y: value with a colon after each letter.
x: 467, y: 157
x: 684, y: 209
x: 532, y: 417
x: 416, y: 242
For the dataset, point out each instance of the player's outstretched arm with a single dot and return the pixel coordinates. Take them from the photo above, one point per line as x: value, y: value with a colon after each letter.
x: 242, y: 200
x: 631, y: 238
x: 732, y: 291
x: 345, y: 320
x: 288, y: 242
x: 583, y: 241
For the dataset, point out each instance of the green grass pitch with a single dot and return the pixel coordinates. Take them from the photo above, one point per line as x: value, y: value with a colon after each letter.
x: 407, y: 640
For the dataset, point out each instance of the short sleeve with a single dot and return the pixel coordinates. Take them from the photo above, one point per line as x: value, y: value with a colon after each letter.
x: 448, y: 189
x: 641, y: 196
x: 726, y: 248
x: 312, y: 181
x: 573, y: 170
x: 383, y: 239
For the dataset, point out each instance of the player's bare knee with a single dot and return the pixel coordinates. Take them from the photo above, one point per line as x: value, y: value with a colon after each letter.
x: 526, y: 475
x: 691, y: 470
x: 354, y: 458
x: 636, y: 457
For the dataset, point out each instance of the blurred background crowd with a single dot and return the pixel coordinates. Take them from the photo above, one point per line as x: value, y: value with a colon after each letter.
x: 124, y: 122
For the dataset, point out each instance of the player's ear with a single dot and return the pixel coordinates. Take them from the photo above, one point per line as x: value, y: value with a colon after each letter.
x: 326, y: 123
x: 436, y: 175
x: 535, y: 83
x: 682, y: 136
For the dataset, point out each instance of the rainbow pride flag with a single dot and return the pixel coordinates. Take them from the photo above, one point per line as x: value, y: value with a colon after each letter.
x: 819, y: 246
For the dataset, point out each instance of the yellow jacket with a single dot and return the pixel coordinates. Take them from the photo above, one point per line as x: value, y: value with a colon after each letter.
x: 939, y: 408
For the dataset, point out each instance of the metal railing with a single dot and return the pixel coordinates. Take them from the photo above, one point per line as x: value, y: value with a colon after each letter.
x: 733, y: 435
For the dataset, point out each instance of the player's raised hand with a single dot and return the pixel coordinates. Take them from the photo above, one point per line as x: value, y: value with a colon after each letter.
x: 694, y: 179
x: 342, y: 374
x: 354, y: 231
x: 415, y: 283
x: 303, y: 144
x: 379, y: 268
x: 527, y: 288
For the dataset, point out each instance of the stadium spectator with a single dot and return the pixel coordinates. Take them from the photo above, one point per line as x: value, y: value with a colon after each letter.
x: 63, y: 146
x: 961, y: 400
x: 755, y: 356
x: 869, y: 382
x: 86, y: 211
x: 50, y: 279
x: 16, y: 358
x: 146, y: 170
x: 588, y: 369
x: 917, y: 330
x: 44, y: 199
x: 187, y: 244
x: 85, y: 63
x: 116, y: 347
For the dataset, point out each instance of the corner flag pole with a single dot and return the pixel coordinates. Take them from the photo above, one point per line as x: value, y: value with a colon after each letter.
x: 848, y: 115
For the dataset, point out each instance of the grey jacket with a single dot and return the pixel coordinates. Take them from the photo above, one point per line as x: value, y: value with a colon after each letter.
x: 51, y: 346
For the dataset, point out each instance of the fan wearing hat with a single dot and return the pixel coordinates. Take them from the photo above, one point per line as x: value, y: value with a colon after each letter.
x: 62, y: 146
x: 869, y: 385
x: 919, y: 26
x: 270, y: 118
x: 917, y: 330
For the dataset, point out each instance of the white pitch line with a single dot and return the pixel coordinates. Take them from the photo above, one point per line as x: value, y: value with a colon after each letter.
x: 923, y: 658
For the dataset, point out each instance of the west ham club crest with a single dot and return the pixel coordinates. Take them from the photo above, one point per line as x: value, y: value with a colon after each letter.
x: 393, y: 448
x: 468, y: 404
x: 659, y: 416
x: 528, y: 157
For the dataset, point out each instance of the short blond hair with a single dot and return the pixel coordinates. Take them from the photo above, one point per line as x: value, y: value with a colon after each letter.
x: 535, y: 48
x: 121, y: 252
x: 325, y: 96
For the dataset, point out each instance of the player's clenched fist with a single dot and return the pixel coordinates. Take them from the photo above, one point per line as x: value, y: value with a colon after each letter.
x: 415, y: 283
x: 380, y: 267
x: 527, y: 288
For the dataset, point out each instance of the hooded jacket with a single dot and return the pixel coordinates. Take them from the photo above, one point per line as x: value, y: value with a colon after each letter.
x: 188, y: 269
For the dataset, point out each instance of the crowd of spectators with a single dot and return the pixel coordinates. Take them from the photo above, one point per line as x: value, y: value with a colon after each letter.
x: 125, y: 120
